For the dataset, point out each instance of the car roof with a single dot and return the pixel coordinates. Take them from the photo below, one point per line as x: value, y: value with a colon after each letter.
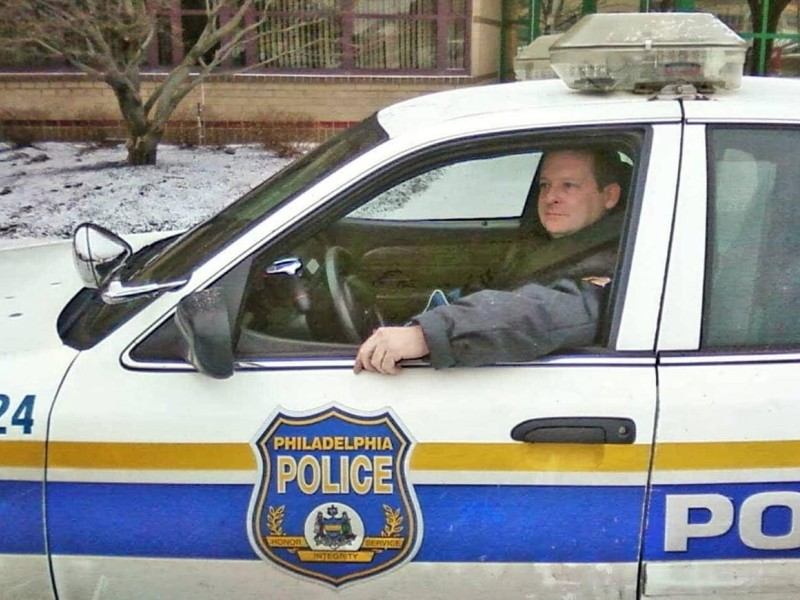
x: 424, y: 111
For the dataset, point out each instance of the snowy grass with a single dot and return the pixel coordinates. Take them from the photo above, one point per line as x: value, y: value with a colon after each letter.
x: 49, y: 188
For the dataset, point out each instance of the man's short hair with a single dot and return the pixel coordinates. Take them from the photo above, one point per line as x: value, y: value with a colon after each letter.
x: 607, y: 167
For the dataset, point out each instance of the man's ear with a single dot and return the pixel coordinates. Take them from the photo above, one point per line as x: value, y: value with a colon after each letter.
x: 612, y: 193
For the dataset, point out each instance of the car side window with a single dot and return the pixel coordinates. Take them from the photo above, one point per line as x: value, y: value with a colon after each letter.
x: 458, y: 218
x: 457, y: 224
x: 484, y: 187
x: 753, y: 272
x: 440, y: 226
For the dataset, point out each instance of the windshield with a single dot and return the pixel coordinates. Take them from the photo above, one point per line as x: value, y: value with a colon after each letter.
x: 87, y: 319
x: 178, y: 259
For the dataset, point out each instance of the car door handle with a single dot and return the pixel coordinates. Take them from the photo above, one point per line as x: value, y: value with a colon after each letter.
x: 576, y: 430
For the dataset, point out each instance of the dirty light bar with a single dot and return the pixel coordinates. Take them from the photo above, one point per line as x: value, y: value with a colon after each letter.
x: 648, y: 51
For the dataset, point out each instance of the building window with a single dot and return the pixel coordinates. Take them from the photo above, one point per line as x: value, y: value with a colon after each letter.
x: 354, y: 36
x: 298, y: 34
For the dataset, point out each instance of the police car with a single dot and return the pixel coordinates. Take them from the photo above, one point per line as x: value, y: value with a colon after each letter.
x: 182, y: 419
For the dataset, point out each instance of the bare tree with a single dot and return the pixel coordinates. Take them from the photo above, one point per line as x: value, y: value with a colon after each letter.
x: 553, y: 18
x: 108, y: 40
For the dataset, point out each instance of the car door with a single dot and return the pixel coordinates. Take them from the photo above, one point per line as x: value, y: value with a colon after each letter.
x: 724, y: 511
x: 297, y: 478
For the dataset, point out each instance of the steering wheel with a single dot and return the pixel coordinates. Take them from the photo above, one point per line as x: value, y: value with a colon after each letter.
x: 352, y: 298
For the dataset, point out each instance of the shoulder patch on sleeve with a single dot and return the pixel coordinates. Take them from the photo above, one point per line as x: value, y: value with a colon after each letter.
x: 598, y: 281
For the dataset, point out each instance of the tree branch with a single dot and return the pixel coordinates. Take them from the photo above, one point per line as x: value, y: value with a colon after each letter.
x: 108, y: 39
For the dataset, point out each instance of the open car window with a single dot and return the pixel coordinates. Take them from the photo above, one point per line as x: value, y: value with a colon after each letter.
x: 458, y: 224
x: 459, y: 218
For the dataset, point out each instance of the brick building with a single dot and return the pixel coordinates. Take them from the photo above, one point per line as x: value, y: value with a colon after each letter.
x: 400, y: 49
x: 351, y: 58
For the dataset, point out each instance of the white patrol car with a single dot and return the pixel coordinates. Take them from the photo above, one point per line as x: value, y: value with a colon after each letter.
x: 184, y: 422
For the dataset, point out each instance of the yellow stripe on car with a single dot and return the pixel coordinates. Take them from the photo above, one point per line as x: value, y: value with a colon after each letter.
x: 425, y: 456
x: 727, y: 455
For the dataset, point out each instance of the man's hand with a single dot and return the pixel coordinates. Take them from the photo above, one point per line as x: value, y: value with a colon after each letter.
x: 387, y: 346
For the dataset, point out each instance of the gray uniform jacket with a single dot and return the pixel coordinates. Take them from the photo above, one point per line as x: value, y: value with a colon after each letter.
x: 537, y: 318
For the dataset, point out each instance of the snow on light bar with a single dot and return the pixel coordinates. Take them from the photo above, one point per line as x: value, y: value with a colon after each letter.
x: 644, y: 52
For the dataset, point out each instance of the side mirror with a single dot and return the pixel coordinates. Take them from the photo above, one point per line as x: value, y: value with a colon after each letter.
x: 205, y: 333
x: 97, y: 253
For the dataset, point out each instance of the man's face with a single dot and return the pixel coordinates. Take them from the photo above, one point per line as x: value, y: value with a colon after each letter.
x: 569, y: 198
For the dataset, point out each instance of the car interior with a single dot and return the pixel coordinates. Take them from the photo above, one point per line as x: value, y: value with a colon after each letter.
x: 359, y: 272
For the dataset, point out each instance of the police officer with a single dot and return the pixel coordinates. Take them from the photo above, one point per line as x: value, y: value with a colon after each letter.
x: 578, y: 189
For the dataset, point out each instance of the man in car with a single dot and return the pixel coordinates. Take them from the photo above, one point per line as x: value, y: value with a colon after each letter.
x: 578, y: 190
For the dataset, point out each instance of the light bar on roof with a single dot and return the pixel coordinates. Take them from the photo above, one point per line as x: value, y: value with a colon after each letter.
x: 648, y: 51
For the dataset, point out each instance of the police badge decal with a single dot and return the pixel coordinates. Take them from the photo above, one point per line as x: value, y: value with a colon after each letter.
x: 333, y: 501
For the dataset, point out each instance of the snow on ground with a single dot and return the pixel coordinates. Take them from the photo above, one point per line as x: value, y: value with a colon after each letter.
x: 49, y: 188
